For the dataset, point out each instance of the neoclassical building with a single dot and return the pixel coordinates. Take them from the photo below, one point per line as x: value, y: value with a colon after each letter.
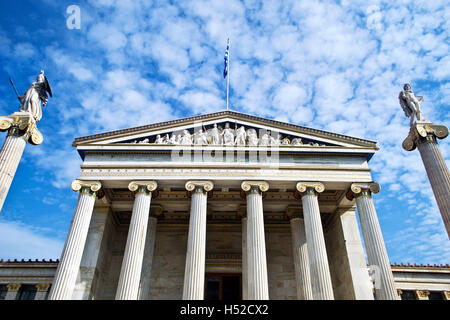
x: 224, y: 206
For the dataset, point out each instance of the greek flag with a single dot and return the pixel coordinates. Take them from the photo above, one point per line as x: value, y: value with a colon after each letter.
x: 225, y: 67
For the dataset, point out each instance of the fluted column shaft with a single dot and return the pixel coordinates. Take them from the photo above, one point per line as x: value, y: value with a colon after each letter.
x: 438, y: 175
x: 69, y: 265
x: 244, y: 260
x: 10, y: 156
x: 130, y: 274
x: 301, y: 259
x: 258, y: 288
x: 375, y: 248
x: 321, y: 285
x: 194, y: 276
x: 148, y: 259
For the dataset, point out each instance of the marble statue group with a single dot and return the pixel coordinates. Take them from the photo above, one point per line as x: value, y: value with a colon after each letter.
x: 226, y: 136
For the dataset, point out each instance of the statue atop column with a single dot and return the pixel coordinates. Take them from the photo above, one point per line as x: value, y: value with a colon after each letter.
x: 31, y: 100
x: 22, y: 128
x: 422, y: 135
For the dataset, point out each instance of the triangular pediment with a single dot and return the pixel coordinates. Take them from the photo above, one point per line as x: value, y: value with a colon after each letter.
x: 226, y: 128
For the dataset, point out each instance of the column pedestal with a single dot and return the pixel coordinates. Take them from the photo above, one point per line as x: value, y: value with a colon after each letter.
x: 373, y: 240
x: 321, y: 285
x: 194, y: 276
x: 69, y: 265
x: 423, y: 135
x: 130, y: 274
x: 257, y: 287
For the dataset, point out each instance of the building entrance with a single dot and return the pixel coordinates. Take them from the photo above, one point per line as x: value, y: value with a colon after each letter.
x: 223, y: 286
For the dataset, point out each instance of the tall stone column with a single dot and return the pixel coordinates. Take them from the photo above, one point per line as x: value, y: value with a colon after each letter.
x: 13, y: 291
x: 321, y: 285
x: 300, y: 255
x: 147, y: 263
x: 194, y: 275
x: 42, y: 289
x: 258, y: 287
x: 69, y: 264
x: 130, y: 274
x: 373, y: 240
x: 423, y: 136
x: 21, y: 127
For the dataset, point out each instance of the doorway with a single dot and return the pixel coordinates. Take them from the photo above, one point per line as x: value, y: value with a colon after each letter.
x: 223, y: 286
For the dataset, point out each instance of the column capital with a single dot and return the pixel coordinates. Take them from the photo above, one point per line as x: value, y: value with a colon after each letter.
x: 307, y: 186
x: 446, y: 295
x: 423, y: 132
x: 14, y: 286
x: 422, y: 294
x: 362, y: 189
x: 262, y: 186
x: 86, y: 186
x: 142, y: 186
x: 204, y: 185
x: 43, y: 286
x: 22, y: 124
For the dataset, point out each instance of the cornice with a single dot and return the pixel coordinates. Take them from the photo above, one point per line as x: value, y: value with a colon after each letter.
x: 224, y: 114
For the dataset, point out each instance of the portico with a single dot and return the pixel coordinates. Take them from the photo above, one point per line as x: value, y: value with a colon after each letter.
x: 281, y: 216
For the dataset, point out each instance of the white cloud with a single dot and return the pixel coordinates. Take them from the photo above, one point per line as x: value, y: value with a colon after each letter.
x: 20, y: 241
x: 320, y: 64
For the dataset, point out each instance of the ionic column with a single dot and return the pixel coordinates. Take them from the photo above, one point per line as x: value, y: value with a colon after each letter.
x: 321, y: 285
x: 423, y: 135
x: 147, y: 263
x: 69, y: 264
x: 130, y: 273
x: 194, y: 275
x: 300, y: 255
x: 21, y: 126
x: 373, y: 240
x: 13, y: 291
x: 257, y: 287
x: 42, y: 289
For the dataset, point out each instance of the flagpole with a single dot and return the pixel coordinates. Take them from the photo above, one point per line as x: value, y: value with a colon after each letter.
x: 228, y: 72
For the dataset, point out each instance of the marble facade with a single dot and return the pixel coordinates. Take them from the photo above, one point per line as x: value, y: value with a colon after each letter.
x: 154, y: 218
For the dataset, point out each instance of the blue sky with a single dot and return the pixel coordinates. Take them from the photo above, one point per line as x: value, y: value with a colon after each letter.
x: 332, y: 65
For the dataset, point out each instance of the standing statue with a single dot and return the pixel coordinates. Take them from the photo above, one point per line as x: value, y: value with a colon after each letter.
x: 214, y: 134
x: 186, y: 138
x: 241, y: 136
x: 265, y: 139
x: 228, y: 135
x: 252, y: 138
x: 31, y: 100
x: 410, y: 103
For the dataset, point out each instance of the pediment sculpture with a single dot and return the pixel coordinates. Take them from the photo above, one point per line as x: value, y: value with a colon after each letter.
x: 224, y: 136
